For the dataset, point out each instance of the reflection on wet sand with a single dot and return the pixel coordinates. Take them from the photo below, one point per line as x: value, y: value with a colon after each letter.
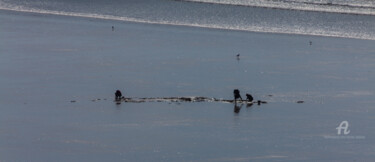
x: 237, y: 108
x: 249, y: 105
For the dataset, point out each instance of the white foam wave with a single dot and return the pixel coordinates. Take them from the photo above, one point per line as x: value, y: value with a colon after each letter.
x: 363, y: 9
x: 253, y: 28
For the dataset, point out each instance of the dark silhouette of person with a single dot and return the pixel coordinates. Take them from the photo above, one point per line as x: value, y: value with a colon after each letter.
x: 237, y: 95
x: 113, y: 28
x: 118, y: 95
x: 249, y: 97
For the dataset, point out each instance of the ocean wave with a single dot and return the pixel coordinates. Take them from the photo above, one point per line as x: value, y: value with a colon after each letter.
x: 319, y: 6
x: 249, y: 28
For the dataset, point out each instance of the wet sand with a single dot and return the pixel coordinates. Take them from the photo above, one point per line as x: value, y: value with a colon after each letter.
x: 48, y: 61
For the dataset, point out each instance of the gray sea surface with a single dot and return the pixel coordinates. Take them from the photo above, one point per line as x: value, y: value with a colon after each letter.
x: 48, y: 61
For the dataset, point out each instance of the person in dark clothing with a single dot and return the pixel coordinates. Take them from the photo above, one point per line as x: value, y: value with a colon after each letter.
x: 237, y: 95
x: 249, y: 97
x: 118, y: 95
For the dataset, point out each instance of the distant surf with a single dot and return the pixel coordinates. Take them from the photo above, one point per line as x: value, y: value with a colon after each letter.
x: 251, y: 16
x: 345, y: 7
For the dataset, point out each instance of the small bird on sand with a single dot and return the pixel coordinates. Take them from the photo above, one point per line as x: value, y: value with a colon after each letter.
x: 238, y: 57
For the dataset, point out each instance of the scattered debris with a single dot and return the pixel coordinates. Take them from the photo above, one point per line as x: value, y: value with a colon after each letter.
x: 182, y: 99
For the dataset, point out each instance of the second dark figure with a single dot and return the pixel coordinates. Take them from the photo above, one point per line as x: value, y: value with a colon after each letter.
x: 249, y: 97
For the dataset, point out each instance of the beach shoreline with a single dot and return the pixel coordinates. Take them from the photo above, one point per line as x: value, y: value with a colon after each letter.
x: 134, y: 21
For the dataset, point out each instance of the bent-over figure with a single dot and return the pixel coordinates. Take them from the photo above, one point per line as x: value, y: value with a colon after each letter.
x: 249, y: 97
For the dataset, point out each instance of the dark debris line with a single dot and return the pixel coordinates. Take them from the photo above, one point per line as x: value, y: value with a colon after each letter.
x: 181, y: 99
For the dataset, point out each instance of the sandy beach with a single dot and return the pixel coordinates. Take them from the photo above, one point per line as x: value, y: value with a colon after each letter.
x: 48, y: 61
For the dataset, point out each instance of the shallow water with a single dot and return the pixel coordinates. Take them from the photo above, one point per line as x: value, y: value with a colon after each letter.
x: 47, y: 61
